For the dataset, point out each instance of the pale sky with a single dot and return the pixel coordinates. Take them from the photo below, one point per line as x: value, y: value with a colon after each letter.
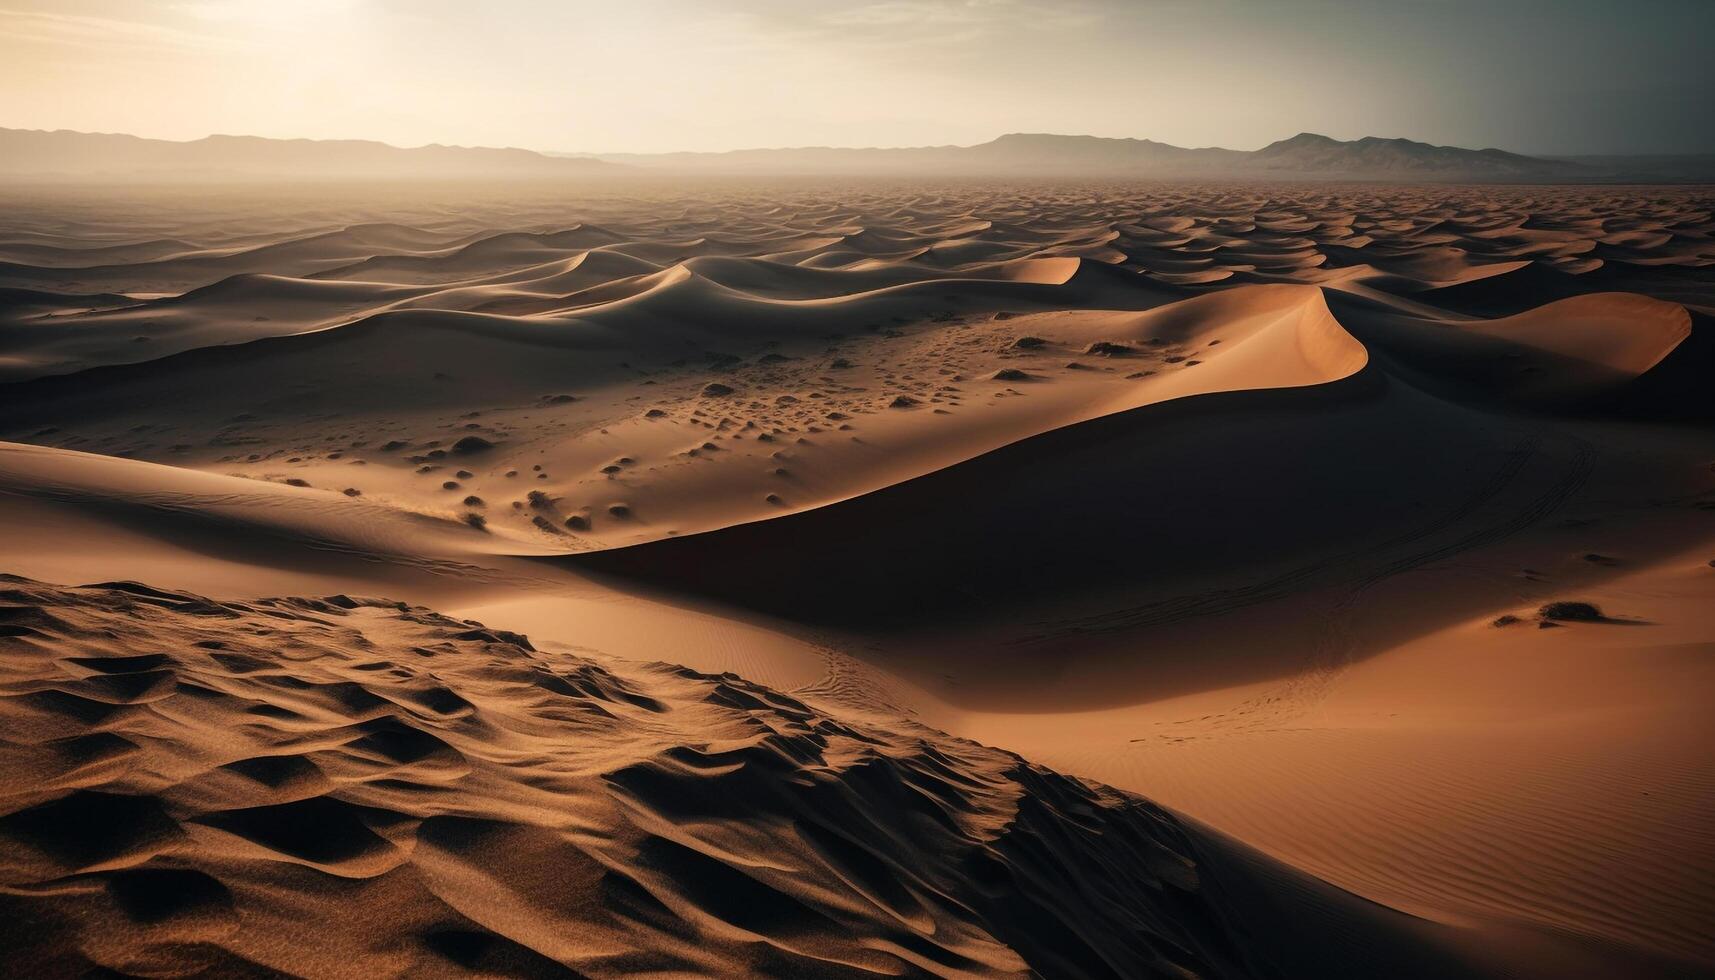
x: 1538, y: 76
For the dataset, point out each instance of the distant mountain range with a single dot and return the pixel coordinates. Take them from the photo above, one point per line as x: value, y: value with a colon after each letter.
x: 1306, y: 156
x: 60, y: 154
x: 1025, y: 154
x: 29, y: 153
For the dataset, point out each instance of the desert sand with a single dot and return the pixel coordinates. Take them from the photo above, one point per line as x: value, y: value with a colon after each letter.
x: 843, y: 578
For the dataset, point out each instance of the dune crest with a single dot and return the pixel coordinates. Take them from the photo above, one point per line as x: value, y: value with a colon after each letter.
x: 1247, y: 498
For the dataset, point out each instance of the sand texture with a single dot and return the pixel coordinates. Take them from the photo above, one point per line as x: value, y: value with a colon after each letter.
x: 842, y: 578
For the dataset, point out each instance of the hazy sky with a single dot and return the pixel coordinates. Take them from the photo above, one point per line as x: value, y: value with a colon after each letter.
x: 1546, y: 76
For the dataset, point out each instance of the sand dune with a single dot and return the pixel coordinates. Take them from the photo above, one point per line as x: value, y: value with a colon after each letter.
x: 1571, y: 352
x: 441, y: 796
x: 1213, y: 494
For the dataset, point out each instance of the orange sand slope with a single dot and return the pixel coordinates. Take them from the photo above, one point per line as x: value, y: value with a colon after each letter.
x: 1212, y: 494
x: 438, y: 796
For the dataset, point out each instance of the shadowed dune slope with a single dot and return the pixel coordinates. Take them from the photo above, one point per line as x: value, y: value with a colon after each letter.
x: 336, y: 785
x: 1284, y: 382
x: 1204, y: 539
x: 1244, y: 497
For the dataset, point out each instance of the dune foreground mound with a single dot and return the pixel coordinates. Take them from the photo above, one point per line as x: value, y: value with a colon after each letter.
x: 349, y: 786
x: 1265, y: 503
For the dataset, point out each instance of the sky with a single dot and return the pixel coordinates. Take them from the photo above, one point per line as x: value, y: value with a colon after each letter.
x: 1535, y: 76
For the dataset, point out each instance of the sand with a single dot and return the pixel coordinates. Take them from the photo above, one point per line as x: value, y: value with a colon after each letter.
x: 1205, y: 500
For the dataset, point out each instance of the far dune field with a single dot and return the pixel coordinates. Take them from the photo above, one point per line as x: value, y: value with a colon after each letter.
x: 819, y: 577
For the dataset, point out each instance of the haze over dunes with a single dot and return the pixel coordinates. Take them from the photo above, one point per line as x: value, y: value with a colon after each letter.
x: 1538, y: 77
x: 1042, y: 154
x: 65, y: 155
x: 68, y: 156
x: 890, y: 488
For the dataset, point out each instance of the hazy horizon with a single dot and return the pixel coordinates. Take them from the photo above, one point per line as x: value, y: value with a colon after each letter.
x: 672, y: 75
x: 782, y: 148
x: 669, y: 488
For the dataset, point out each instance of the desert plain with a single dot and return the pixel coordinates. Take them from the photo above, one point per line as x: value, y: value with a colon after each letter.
x: 823, y: 577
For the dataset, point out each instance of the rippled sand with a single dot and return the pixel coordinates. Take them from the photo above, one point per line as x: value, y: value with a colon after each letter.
x: 1214, y: 494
